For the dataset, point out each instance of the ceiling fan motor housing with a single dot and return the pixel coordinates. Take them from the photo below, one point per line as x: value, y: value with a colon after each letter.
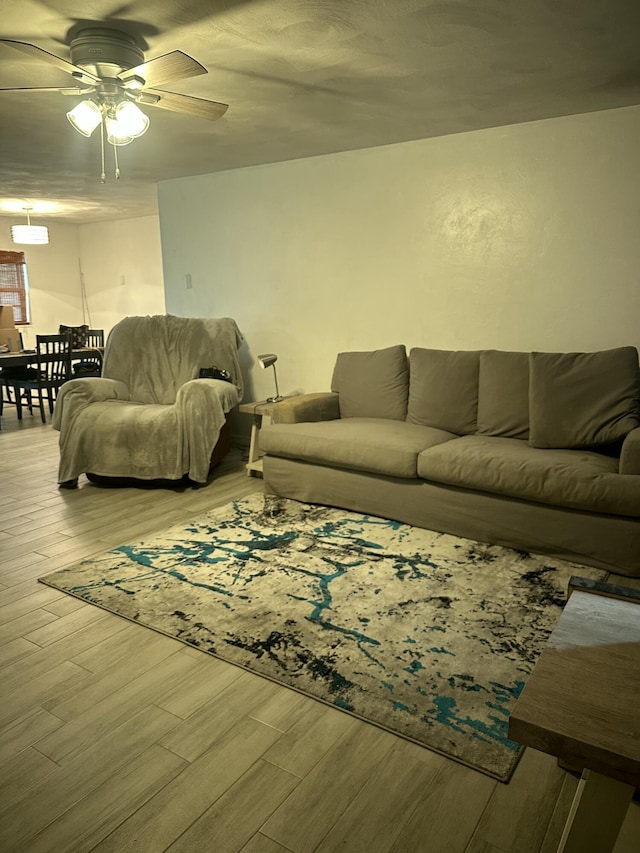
x: 105, y: 52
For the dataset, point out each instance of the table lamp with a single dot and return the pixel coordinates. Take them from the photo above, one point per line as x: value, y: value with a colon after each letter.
x: 269, y: 359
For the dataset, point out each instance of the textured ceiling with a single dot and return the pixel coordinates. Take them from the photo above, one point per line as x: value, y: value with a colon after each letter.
x: 302, y: 77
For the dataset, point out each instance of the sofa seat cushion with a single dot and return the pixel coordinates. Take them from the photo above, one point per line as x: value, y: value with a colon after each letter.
x: 579, y: 479
x: 374, y: 445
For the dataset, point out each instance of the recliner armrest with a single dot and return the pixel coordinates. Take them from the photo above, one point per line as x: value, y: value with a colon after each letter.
x: 307, y: 408
x: 630, y: 455
x: 199, y: 391
x: 76, y: 394
x: 202, y: 405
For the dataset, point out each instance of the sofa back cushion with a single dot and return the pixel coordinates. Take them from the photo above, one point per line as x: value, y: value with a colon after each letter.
x: 372, y: 384
x: 443, y: 389
x: 503, y: 394
x: 579, y: 399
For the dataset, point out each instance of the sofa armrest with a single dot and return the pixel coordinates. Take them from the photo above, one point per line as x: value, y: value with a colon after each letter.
x: 630, y: 455
x: 307, y: 407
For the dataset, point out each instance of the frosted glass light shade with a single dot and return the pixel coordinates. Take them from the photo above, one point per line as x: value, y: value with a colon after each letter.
x: 85, y: 117
x: 116, y: 135
x: 125, y: 123
x: 34, y: 235
x: 132, y: 118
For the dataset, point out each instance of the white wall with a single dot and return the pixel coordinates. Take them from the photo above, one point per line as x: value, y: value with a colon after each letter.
x: 521, y: 237
x: 106, y: 252
x: 122, y: 269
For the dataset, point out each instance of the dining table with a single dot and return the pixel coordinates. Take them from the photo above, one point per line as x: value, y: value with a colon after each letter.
x: 23, y: 358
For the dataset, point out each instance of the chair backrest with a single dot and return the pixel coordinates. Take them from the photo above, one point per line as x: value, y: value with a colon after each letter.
x: 155, y: 356
x: 95, y: 338
x: 54, y: 358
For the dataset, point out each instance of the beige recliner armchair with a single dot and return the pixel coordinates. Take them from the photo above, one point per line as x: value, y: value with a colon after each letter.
x: 149, y: 416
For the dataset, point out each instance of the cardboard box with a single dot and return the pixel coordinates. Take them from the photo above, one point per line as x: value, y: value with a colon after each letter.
x: 9, y: 335
x: 6, y: 317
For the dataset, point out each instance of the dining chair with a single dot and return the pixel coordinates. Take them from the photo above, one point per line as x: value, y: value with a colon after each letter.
x: 51, y: 368
x: 91, y: 363
x: 95, y: 338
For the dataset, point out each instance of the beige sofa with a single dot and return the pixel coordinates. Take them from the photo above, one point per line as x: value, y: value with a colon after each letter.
x: 537, y: 451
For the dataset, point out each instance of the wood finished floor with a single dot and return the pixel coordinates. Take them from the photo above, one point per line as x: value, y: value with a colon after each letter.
x: 115, y: 738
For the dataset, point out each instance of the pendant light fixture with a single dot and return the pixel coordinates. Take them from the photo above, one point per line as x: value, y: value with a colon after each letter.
x: 33, y: 235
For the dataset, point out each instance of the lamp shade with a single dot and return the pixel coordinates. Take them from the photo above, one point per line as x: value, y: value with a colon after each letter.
x: 30, y: 234
x: 85, y: 117
x: 267, y: 359
x: 33, y: 235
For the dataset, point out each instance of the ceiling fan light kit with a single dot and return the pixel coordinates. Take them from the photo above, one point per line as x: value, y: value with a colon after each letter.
x: 31, y: 235
x: 109, y: 66
x: 124, y: 122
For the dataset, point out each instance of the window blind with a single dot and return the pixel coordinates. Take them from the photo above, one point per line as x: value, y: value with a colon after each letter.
x: 14, y: 285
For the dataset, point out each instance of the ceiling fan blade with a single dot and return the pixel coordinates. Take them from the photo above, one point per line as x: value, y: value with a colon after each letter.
x: 52, y: 59
x: 163, y: 69
x: 198, y: 107
x: 64, y: 90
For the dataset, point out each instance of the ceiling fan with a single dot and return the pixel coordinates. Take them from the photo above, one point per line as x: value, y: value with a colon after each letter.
x: 108, y: 65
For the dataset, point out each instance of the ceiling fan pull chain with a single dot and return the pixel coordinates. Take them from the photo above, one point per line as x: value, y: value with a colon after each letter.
x: 103, y: 176
x: 115, y: 158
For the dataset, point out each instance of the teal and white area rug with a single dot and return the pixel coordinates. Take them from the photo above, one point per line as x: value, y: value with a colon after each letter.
x: 425, y: 634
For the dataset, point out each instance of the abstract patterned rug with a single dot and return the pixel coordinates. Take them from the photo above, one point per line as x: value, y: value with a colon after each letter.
x: 426, y: 634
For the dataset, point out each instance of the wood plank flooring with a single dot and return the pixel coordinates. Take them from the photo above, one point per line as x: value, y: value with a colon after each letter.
x: 115, y: 738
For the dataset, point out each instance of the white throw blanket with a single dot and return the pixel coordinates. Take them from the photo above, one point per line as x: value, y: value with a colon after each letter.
x: 149, y: 416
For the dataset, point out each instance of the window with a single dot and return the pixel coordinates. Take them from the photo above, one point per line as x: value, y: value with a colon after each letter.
x: 14, y: 285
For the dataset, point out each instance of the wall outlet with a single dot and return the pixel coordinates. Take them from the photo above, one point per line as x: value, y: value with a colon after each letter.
x: 187, y: 278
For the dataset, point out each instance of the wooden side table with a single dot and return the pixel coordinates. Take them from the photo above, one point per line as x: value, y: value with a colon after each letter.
x: 581, y: 705
x: 259, y: 409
